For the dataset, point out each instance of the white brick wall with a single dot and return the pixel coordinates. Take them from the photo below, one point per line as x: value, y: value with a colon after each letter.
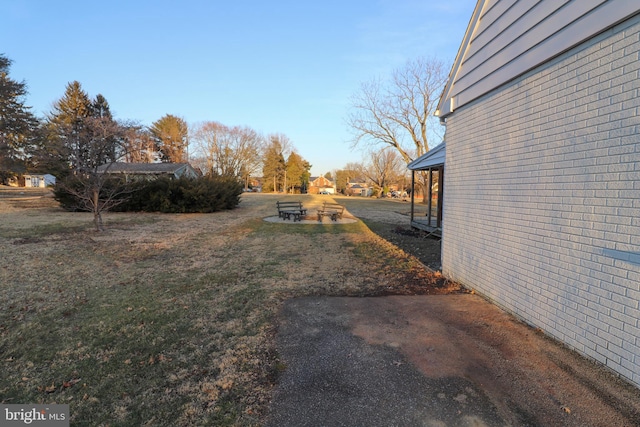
x: 542, y: 198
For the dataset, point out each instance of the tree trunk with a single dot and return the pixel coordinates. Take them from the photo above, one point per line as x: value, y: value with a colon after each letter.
x: 424, y: 183
x: 97, y: 215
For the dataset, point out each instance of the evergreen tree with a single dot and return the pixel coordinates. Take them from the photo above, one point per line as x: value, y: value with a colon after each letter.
x: 81, y: 133
x: 17, y: 124
x: 100, y: 108
x: 106, y: 134
x: 170, y: 134
x: 297, y: 172
x: 274, y: 166
x: 68, y: 130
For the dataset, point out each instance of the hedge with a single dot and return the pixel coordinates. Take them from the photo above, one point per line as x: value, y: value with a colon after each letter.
x: 164, y: 194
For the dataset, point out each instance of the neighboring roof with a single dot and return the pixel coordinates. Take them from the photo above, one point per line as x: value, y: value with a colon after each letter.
x: 507, y: 38
x: 143, y: 168
x: 315, y: 178
x: 48, y: 175
x: 433, y: 157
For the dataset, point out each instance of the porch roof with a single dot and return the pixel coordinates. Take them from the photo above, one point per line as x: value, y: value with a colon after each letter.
x: 434, y: 157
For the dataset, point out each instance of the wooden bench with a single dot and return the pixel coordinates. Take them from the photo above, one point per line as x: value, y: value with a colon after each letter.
x: 287, y: 210
x: 332, y: 210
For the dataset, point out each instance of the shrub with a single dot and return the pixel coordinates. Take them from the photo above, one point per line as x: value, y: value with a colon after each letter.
x: 73, y: 192
x: 184, y: 195
x: 164, y: 194
x: 62, y: 195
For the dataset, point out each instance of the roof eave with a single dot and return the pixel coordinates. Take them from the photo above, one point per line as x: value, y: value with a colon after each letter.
x: 447, y: 99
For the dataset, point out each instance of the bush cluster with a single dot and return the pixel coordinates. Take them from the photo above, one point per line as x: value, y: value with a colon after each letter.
x: 74, y: 192
x: 164, y: 194
x: 183, y: 195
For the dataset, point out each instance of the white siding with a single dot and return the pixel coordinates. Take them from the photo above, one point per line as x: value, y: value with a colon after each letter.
x: 507, y: 38
x: 542, y: 206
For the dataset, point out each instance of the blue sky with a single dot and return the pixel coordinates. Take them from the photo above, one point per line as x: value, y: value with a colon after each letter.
x: 276, y: 66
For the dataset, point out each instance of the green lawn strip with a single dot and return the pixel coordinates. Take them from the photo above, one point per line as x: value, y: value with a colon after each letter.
x: 270, y: 228
x: 42, y: 230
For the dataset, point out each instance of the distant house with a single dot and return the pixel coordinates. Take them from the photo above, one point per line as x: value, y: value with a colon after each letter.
x: 358, y: 190
x: 254, y: 184
x: 149, y: 170
x: 542, y: 206
x: 39, y: 180
x: 358, y: 187
x: 321, y: 185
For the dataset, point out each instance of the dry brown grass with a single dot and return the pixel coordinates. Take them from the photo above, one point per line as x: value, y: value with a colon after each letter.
x: 169, y: 319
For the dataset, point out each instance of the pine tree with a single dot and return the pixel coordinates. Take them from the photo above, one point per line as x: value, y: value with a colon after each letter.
x: 69, y: 136
x: 297, y: 172
x: 100, y: 108
x: 170, y: 134
x: 81, y: 133
x: 274, y: 166
x: 17, y: 124
x: 105, y: 133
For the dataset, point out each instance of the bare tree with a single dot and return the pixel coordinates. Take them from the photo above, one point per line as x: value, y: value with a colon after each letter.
x: 97, y: 193
x: 382, y: 168
x: 399, y: 113
x: 139, y: 145
x: 91, y: 187
x: 234, y: 151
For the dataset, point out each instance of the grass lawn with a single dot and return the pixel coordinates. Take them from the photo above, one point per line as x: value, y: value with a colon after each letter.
x: 166, y: 320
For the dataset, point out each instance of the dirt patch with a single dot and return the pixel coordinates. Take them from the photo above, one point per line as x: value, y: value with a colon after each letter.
x: 419, y: 280
x: 443, y: 360
x: 422, y: 245
x: 530, y: 379
x: 27, y: 240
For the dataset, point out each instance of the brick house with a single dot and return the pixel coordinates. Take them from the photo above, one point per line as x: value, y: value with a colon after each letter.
x: 542, y: 206
x: 321, y: 185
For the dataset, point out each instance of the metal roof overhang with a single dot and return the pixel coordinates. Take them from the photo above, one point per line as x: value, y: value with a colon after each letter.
x: 433, y: 157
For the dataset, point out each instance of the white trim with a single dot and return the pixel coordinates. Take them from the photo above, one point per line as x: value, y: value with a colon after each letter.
x: 434, y: 157
x: 505, y: 39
